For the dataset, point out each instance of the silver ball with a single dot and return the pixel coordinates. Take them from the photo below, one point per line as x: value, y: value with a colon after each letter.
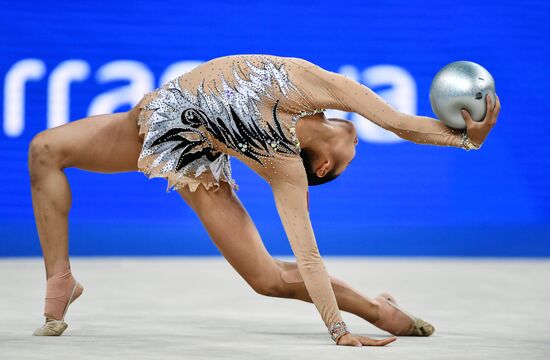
x: 461, y: 85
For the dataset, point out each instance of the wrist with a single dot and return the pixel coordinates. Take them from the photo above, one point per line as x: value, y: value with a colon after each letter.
x: 337, y: 330
x: 466, y: 143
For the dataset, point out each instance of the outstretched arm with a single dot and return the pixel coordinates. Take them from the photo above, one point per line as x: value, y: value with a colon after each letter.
x: 244, y: 250
x: 334, y: 91
x: 290, y: 192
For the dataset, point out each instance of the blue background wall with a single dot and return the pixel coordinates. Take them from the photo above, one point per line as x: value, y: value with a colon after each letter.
x: 397, y: 198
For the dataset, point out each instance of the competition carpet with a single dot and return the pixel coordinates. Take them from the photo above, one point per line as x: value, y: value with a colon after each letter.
x: 199, y: 308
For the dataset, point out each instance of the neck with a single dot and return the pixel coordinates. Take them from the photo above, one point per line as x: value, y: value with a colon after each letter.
x: 313, y: 132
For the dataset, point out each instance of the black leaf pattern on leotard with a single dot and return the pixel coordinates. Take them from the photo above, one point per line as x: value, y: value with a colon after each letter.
x: 188, y: 154
x: 258, y: 140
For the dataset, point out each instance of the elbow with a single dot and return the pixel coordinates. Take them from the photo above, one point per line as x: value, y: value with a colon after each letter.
x: 405, y: 126
x: 402, y: 125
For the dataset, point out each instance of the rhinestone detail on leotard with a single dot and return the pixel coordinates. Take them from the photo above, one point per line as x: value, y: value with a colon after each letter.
x: 231, y: 115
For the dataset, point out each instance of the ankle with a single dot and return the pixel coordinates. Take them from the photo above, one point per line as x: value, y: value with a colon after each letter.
x: 375, y: 306
x: 60, y: 279
x: 55, y: 268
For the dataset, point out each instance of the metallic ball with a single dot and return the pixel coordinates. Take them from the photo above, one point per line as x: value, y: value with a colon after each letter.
x: 461, y: 85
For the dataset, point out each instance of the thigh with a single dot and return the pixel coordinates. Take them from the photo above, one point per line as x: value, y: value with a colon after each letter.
x: 102, y: 143
x: 233, y: 232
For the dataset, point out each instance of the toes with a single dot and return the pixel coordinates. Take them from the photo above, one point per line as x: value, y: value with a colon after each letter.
x: 422, y: 328
x: 51, y: 328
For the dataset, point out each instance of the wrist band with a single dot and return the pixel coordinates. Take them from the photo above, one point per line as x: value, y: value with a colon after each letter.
x: 466, y: 143
x: 337, y: 330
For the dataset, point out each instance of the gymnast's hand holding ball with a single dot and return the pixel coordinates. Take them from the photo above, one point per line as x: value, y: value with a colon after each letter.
x: 462, y: 95
x: 478, y: 130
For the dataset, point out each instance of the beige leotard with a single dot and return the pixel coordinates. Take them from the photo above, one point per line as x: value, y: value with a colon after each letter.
x: 247, y: 106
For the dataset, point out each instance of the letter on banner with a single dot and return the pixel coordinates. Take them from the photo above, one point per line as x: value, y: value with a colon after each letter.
x: 401, y: 95
x: 59, y: 89
x: 141, y: 81
x: 14, y: 93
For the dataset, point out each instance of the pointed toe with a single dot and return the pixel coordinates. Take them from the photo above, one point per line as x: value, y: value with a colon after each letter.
x: 51, y: 328
x: 422, y: 328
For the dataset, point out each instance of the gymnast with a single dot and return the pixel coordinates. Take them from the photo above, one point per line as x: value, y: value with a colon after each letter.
x: 268, y: 112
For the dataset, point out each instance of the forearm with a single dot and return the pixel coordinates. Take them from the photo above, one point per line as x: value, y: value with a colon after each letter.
x: 312, y: 269
x: 425, y: 130
x: 334, y: 91
x: 319, y: 287
x: 348, y: 298
x: 290, y: 193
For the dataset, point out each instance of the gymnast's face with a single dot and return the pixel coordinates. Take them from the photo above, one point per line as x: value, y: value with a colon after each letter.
x: 341, y: 148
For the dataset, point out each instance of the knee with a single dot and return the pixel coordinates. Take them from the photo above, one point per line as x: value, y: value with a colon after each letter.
x: 269, y: 287
x: 42, y: 153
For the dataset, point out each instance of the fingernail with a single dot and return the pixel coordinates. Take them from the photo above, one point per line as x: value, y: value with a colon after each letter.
x: 359, y: 345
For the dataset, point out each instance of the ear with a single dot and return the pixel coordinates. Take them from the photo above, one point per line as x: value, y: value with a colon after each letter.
x: 322, y: 168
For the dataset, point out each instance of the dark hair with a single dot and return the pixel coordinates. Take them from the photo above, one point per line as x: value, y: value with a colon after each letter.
x: 312, y: 178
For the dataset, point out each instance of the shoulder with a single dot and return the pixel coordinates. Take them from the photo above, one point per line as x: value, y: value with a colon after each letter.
x: 302, y: 62
x: 275, y: 59
x: 283, y: 171
x: 308, y: 71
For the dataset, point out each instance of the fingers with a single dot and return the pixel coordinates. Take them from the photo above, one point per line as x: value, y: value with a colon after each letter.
x: 492, y: 112
x: 489, y: 114
x: 467, y: 117
x: 349, y: 341
x: 496, y: 111
x: 376, y: 342
x: 354, y: 340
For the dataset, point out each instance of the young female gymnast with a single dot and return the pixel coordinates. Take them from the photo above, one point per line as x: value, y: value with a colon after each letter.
x: 266, y: 111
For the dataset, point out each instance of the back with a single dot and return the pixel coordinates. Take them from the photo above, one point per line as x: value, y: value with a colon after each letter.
x: 242, y: 105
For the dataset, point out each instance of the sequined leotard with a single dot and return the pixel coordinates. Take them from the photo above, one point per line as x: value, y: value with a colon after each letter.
x: 247, y: 106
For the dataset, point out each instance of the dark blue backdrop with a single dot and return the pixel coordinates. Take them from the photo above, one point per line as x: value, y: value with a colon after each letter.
x: 63, y: 62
